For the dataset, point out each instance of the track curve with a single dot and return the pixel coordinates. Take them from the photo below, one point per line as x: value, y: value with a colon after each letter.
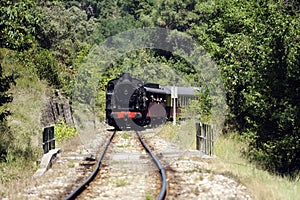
x: 162, y: 172
x: 84, y: 185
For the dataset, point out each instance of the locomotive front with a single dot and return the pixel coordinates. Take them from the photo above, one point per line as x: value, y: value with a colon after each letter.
x: 125, y: 102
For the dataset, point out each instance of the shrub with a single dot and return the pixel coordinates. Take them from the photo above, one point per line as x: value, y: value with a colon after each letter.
x: 63, y: 131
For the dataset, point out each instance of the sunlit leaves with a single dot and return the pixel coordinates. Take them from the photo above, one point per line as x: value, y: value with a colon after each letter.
x: 18, y: 24
x: 256, y: 45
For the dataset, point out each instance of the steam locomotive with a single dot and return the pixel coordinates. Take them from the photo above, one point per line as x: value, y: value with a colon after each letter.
x: 132, y: 103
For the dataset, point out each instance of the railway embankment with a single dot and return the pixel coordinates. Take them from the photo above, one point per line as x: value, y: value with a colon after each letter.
x: 189, y: 173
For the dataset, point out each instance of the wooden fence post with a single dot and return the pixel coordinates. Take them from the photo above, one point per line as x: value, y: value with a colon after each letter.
x: 205, y: 132
x: 205, y: 138
x: 198, y: 132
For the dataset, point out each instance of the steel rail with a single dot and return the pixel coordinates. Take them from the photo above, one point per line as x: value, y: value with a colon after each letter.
x: 82, y: 187
x: 163, y: 176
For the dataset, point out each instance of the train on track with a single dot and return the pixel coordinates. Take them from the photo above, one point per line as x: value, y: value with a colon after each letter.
x: 132, y: 103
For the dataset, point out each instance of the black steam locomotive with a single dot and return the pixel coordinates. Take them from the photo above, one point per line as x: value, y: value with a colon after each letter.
x: 132, y: 103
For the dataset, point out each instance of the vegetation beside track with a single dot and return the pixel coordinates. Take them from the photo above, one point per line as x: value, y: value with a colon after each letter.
x: 261, y: 184
x: 231, y: 162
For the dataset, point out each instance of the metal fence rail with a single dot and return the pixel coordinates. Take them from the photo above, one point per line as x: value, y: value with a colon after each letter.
x: 48, y: 139
x: 205, y: 138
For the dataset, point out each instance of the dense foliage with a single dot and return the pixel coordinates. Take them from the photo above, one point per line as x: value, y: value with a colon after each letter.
x: 5, y: 98
x: 255, y: 44
x: 18, y: 21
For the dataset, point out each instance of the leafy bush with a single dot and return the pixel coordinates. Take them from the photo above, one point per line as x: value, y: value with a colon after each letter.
x: 18, y: 20
x: 258, y: 55
x: 63, y: 131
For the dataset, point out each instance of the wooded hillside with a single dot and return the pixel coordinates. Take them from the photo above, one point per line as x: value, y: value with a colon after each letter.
x: 255, y: 44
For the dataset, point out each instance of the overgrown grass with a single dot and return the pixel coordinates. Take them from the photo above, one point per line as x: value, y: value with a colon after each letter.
x: 125, y: 135
x: 25, y: 131
x: 183, y: 134
x: 14, y: 170
x: 119, y: 182
x: 260, y: 183
x: 230, y: 162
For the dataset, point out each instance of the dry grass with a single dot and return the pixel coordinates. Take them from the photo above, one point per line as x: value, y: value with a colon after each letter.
x: 22, y: 174
x: 81, y: 140
x: 25, y: 136
x: 261, y: 184
x: 25, y: 131
x: 183, y: 134
x: 229, y: 162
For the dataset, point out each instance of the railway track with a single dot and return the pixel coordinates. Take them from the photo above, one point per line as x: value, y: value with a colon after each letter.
x: 124, y: 171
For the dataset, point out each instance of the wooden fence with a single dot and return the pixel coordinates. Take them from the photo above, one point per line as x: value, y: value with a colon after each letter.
x: 205, y: 138
x: 48, y: 139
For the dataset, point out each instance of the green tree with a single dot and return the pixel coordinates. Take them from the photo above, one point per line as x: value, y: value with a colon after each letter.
x: 176, y: 14
x: 256, y: 45
x: 18, y: 21
x: 65, y: 34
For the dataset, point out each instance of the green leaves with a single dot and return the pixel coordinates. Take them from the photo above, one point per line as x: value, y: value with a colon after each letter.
x: 256, y: 45
x: 18, y: 24
x: 176, y: 14
x: 63, y: 131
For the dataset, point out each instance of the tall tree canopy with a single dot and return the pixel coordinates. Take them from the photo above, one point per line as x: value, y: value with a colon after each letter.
x: 17, y: 24
x: 256, y: 45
